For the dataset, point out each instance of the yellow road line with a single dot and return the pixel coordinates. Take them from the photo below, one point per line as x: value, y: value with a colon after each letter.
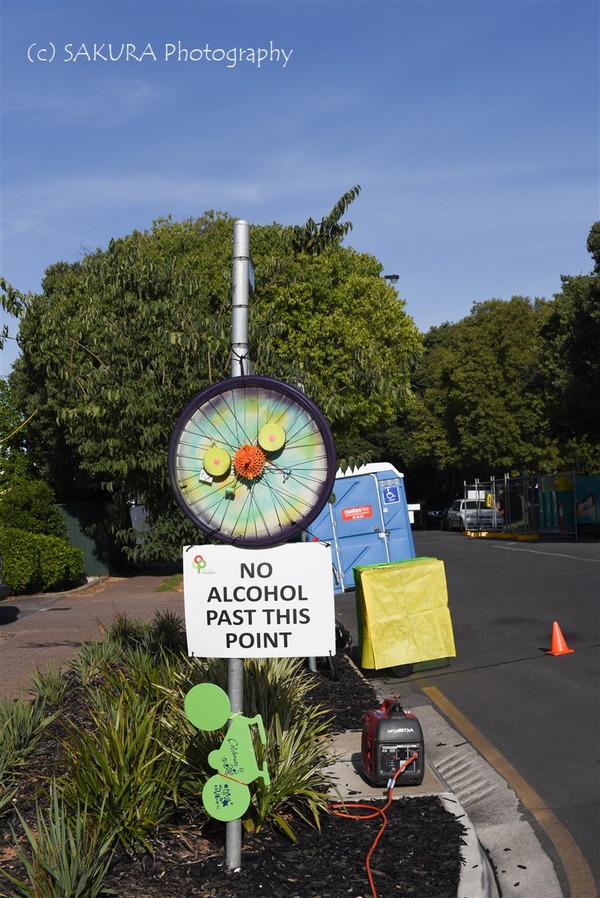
x: 577, y: 871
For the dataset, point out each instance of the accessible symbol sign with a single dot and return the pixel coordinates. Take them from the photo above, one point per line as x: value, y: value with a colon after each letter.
x: 259, y: 603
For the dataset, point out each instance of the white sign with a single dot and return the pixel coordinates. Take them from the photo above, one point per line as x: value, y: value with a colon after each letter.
x: 259, y: 603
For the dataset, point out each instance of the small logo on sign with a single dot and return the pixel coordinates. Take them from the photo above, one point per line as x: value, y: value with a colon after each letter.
x: 357, y: 512
x: 199, y: 563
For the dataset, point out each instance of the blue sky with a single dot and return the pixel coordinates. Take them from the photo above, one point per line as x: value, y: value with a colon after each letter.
x: 472, y: 128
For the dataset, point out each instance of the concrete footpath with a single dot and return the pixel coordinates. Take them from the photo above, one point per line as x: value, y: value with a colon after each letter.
x: 36, y: 631
x: 50, y: 629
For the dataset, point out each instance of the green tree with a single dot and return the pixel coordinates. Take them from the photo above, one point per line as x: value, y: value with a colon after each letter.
x: 13, y: 457
x: 12, y: 302
x: 112, y: 350
x: 593, y: 246
x: 342, y: 333
x: 571, y: 363
x: 478, y: 409
x: 313, y: 238
x: 118, y: 343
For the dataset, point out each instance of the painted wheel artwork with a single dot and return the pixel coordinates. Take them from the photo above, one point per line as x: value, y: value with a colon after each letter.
x: 252, y: 461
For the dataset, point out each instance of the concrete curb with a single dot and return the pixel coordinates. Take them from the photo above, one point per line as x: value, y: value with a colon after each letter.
x: 493, y: 809
x: 477, y: 879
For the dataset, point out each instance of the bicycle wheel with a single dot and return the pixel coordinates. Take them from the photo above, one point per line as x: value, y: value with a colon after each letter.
x: 252, y: 461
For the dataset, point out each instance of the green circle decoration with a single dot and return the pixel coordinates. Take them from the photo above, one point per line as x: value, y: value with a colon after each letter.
x: 217, y: 462
x: 207, y: 706
x: 225, y: 799
x: 271, y: 437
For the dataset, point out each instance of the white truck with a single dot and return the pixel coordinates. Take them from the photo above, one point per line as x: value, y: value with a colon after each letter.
x: 473, y: 514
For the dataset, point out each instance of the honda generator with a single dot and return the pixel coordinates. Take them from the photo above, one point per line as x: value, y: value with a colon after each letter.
x: 390, y: 736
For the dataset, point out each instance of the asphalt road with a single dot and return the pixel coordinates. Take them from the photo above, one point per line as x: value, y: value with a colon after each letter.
x: 540, y: 712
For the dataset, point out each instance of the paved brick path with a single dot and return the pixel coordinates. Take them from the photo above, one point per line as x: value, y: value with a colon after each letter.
x: 35, y: 630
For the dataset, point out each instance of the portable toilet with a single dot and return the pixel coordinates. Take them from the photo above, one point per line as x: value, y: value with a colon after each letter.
x: 366, y: 522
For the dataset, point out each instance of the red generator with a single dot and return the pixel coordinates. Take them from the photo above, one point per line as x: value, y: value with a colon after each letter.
x: 390, y: 736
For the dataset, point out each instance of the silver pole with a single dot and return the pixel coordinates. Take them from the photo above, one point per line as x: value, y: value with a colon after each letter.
x: 240, y: 292
x: 240, y: 365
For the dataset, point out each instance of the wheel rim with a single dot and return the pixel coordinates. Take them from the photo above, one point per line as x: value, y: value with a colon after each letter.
x: 263, y: 497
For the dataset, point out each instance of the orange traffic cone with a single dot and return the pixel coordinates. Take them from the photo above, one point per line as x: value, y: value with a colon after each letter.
x: 559, y: 646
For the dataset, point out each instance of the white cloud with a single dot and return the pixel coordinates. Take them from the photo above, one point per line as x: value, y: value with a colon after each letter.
x: 109, y: 104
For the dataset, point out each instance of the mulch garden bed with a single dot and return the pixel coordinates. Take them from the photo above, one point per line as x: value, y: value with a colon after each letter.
x: 418, y: 856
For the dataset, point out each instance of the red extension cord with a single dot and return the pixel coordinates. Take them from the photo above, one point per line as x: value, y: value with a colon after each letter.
x: 378, y: 812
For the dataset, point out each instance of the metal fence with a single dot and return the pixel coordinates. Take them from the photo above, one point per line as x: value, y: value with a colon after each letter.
x: 515, y: 500
x: 563, y: 504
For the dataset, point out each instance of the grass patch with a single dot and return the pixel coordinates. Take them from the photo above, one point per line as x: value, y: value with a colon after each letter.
x: 173, y: 583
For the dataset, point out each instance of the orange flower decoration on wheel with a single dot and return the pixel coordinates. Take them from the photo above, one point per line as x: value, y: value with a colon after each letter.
x: 248, y: 461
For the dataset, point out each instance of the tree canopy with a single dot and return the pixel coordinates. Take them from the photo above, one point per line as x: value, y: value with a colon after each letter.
x: 513, y: 387
x: 571, y: 363
x: 14, y: 462
x: 314, y: 238
x: 116, y: 344
x: 475, y: 411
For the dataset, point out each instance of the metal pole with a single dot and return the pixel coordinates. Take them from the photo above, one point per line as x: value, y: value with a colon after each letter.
x: 240, y: 292
x: 240, y: 365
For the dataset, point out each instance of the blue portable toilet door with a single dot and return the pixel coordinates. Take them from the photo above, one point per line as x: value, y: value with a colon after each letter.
x: 359, y: 525
x: 399, y: 539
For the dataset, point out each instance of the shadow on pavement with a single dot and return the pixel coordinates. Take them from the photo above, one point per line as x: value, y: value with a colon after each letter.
x: 8, y: 614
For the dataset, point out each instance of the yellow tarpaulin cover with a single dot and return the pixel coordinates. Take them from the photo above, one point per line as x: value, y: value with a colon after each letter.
x: 402, y: 611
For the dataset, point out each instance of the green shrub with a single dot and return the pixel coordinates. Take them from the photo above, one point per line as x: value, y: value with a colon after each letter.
x: 121, y: 769
x: 66, y: 857
x: 133, y: 757
x: 49, y: 686
x: 93, y: 659
x: 168, y: 633
x: 8, y: 793
x: 164, y: 634
x: 19, y: 560
x: 276, y: 686
x: 60, y: 564
x: 10, y: 764
x: 297, y: 745
x: 295, y: 759
x: 30, y: 505
x: 127, y: 632
x: 21, y: 726
x: 33, y: 562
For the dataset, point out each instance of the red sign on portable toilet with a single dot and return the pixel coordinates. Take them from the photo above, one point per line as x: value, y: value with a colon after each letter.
x: 357, y: 512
